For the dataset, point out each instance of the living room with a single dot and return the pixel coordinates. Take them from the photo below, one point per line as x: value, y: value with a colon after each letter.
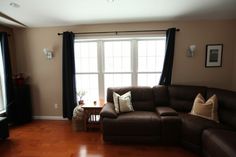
x: 207, y: 24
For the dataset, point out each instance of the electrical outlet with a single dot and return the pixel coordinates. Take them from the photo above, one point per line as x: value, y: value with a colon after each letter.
x: 56, y: 106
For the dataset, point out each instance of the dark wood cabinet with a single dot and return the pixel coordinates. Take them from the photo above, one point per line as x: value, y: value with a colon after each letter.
x: 4, y: 131
x: 22, y: 106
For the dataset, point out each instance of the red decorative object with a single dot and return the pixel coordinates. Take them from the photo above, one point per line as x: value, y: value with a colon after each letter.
x: 20, y: 79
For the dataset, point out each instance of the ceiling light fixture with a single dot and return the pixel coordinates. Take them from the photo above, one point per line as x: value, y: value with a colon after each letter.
x: 14, y: 5
x: 110, y: 1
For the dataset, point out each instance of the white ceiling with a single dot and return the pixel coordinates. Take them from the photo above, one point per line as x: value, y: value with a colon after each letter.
x: 43, y: 13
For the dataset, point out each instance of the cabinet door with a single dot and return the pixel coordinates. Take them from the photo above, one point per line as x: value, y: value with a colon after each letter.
x: 22, y: 105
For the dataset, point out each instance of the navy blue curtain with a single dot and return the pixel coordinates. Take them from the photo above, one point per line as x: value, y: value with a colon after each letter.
x: 7, y: 71
x: 169, y: 57
x: 68, y: 78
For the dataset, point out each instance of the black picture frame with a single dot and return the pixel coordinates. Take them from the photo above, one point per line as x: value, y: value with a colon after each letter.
x: 214, y: 54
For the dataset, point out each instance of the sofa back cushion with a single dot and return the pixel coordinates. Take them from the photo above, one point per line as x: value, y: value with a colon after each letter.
x: 182, y: 96
x: 161, y: 96
x: 142, y: 97
x: 226, y: 105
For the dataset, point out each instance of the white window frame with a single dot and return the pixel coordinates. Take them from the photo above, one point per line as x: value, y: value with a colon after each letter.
x: 134, y: 59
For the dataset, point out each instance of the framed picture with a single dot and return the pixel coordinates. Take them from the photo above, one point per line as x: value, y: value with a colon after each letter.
x: 214, y: 53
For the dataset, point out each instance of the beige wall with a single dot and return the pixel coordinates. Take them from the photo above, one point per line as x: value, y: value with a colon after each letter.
x: 46, y: 76
x: 192, y: 70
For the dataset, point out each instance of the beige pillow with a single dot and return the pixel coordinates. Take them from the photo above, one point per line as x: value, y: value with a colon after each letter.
x: 208, y: 109
x: 122, y: 102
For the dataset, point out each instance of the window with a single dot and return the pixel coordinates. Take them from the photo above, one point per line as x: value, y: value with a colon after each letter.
x: 107, y: 63
x: 117, y: 64
x: 86, y: 68
x: 151, y: 55
x: 2, y: 85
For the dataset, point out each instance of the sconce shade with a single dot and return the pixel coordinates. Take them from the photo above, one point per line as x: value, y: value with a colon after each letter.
x: 190, y: 51
x: 192, y: 48
x: 48, y: 53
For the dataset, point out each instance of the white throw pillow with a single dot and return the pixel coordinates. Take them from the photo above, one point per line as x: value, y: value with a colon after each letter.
x: 122, y: 102
x: 206, y: 109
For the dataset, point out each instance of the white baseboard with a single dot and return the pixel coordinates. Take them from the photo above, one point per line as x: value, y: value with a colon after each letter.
x: 49, y: 118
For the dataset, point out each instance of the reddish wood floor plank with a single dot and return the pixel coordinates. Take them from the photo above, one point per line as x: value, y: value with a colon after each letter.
x: 56, y: 139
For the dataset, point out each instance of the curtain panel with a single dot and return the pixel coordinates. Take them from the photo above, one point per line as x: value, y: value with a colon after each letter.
x: 169, y: 57
x: 68, y: 78
x: 7, y: 71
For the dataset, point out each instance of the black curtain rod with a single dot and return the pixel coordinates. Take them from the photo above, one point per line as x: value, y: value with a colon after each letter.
x: 116, y: 32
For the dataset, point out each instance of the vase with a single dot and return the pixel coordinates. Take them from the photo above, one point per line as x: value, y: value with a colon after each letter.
x: 81, y: 102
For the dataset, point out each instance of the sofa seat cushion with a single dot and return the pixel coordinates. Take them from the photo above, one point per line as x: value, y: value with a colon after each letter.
x: 192, y: 128
x: 133, y: 124
x: 218, y: 143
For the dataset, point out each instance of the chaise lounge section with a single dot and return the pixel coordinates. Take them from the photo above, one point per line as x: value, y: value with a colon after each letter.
x: 161, y: 115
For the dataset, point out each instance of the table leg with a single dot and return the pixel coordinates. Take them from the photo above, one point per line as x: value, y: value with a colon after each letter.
x: 85, y: 120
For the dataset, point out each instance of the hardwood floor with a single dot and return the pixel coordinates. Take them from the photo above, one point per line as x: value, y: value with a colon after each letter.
x: 43, y: 138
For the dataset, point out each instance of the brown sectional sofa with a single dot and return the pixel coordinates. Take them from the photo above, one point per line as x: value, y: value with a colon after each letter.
x: 161, y: 116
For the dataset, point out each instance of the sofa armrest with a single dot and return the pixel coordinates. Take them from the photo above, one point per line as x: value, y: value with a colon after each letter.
x: 166, y: 111
x: 108, y: 110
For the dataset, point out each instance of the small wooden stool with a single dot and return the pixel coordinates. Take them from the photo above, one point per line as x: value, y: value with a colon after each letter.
x: 4, y: 131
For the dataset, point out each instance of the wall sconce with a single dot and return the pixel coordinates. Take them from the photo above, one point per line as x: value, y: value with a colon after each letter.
x: 48, y: 53
x: 190, y: 51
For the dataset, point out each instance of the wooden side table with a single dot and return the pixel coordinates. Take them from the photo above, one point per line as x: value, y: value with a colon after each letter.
x: 91, y: 115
